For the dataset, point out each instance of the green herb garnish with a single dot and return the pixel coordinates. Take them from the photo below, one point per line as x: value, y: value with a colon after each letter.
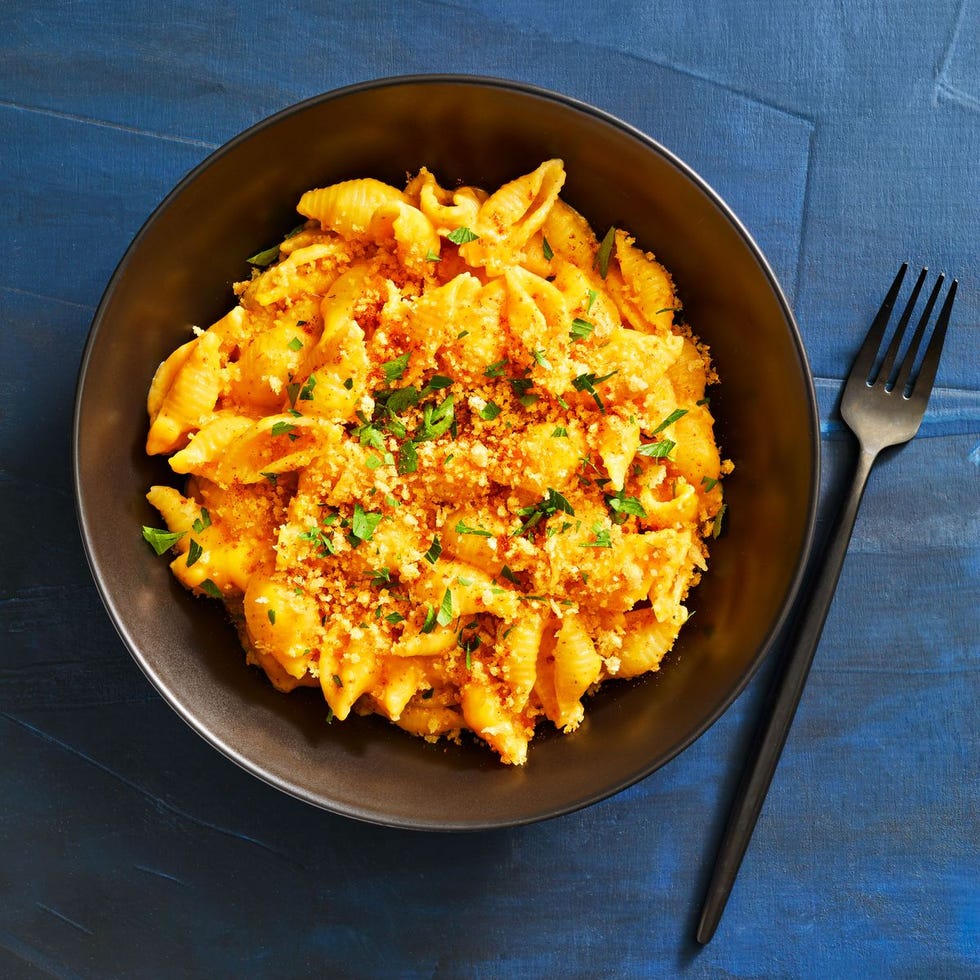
x: 445, y: 614
x: 604, y: 253
x: 194, y: 552
x: 160, y: 540
x: 462, y: 528
x: 462, y: 235
x: 393, y: 370
x: 587, y: 382
x: 551, y: 503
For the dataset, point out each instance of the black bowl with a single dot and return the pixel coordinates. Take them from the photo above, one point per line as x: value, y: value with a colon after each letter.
x: 178, y: 272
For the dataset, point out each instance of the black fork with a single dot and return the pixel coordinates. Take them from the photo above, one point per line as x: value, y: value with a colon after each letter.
x: 883, y: 403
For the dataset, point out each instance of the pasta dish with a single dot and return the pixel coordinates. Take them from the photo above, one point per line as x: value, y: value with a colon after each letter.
x: 449, y: 459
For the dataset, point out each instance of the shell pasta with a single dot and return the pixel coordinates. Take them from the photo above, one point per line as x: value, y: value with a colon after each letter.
x: 448, y: 460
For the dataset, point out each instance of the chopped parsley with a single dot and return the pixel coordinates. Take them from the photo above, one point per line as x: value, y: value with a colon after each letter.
x: 295, y: 344
x: 623, y: 507
x: 306, y: 392
x: 605, y: 252
x: 462, y: 235
x: 271, y: 613
x: 551, y: 503
x: 266, y: 257
x: 432, y: 256
x: 587, y: 382
x: 709, y: 483
x: 211, y: 589
x: 670, y: 420
x: 408, y: 458
x: 462, y: 528
x: 719, y: 517
x: 364, y: 523
x: 435, y: 550
x: 436, y: 419
x: 273, y: 478
x: 194, y: 552
x: 508, y: 574
x: 284, y: 429
x: 601, y: 540
x: 393, y: 370
x: 490, y: 411
x: 202, y: 522
x: 560, y: 432
x: 581, y: 329
x: 592, y: 294
x: 430, y: 620
x: 160, y: 540
x: 539, y: 358
x: 445, y: 614
x: 657, y: 450
x: 496, y: 369
x: 321, y: 539
x: 546, y: 249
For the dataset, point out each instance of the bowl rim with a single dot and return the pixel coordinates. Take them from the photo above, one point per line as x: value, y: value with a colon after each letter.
x: 789, y: 604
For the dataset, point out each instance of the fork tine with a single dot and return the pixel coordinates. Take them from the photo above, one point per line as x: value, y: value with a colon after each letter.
x: 901, y: 380
x: 888, y: 363
x: 922, y: 384
x: 869, y: 349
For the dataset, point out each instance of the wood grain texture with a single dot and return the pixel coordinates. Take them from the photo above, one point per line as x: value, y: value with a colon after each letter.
x: 846, y: 138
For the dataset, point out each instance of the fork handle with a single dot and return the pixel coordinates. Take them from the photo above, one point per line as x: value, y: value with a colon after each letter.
x: 784, y: 697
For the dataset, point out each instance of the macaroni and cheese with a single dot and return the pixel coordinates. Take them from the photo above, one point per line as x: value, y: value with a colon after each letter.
x: 449, y: 459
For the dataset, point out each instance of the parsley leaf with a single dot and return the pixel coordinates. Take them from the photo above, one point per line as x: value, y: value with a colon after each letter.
x: 623, y: 506
x: 670, y: 420
x: 551, y: 503
x: 604, y: 253
x: 295, y: 344
x: 393, y: 370
x: 462, y: 528
x: 462, y: 235
x: 266, y: 257
x: 587, y: 382
x: 408, y: 459
x: 719, y: 517
x: 436, y: 419
x: 546, y: 249
x: 490, y: 411
x: 306, y: 392
x: 601, y: 540
x: 496, y: 369
x: 581, y: 329
x: 284, y: 429
x: 445, y: 614
x: 364, y: 523
x: 194, y: 552
x: 202, y: 522
x: 160, y: 540
x: 211, y: 589
x: 657, y: 450
x: 435, y: 550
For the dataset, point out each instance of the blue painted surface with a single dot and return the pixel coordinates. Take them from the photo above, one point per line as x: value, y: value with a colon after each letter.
x: 847, y: 136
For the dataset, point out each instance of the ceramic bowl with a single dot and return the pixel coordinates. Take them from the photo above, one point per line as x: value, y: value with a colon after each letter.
x: 178, y: 272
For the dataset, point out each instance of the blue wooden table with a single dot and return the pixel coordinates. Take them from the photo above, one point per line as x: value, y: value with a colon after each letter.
x: 847, y: 137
